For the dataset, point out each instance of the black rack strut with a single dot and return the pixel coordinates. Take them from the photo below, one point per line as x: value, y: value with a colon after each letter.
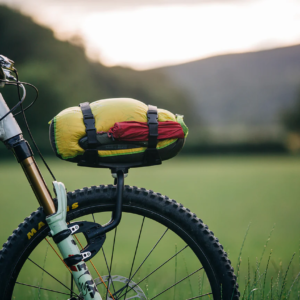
x: 94, y: 233
x: 117, y: 212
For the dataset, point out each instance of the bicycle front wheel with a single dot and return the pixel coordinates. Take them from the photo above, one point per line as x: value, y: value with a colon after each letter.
x: 160, y: 250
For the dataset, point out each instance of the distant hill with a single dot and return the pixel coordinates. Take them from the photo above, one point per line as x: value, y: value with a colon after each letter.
x: 235, y: 98
x: 249, y: 89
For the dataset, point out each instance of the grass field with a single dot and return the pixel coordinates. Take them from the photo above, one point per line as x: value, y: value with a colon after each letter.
x: 227, y: 193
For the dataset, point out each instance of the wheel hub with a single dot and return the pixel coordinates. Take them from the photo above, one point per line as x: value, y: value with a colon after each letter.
x: 133, y: 292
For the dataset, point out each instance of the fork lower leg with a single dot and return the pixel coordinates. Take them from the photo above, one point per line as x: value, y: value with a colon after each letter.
x: 68, y: 248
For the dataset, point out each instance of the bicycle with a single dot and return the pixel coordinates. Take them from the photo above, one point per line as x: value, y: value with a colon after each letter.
x: 181, y: 258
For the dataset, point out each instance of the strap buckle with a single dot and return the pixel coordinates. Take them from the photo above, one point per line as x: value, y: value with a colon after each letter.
x: 152, y: 115
x: 151, y: 155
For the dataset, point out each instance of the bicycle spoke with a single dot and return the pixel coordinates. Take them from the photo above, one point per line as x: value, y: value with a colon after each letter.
x: 36, y: 287
x: 43, y: 271
x: 199, y: 296
x: 108, y: 283
x: 57, y: 254
x: 111, y: 261
x: 51, y: 275
x: 120, y: 290
x: 71, y: 285
x: 176, y: 284
x: 150, y: 252
x: 153, y: 271
x: 175, y: 271
x: 108, y: 268
x: 136, y: 248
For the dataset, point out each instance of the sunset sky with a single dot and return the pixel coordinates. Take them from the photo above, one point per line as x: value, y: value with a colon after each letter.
x: 145, y: 34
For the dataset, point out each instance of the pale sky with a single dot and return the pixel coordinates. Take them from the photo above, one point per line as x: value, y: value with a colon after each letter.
x: 145, y: 34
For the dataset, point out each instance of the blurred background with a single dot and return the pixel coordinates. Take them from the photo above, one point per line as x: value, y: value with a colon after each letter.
x: 232, y: 68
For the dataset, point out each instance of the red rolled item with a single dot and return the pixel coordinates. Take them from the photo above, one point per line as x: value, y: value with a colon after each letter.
x: 139, y: 131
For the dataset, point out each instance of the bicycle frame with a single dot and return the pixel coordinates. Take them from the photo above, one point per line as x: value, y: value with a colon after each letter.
x: 186, y: 227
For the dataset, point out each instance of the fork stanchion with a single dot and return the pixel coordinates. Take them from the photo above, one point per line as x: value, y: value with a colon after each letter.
x: 38, y: 185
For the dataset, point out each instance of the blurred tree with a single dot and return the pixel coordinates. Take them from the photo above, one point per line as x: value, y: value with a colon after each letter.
x: 65, y: 77
x: 291, y: 121
x: 291, y: 118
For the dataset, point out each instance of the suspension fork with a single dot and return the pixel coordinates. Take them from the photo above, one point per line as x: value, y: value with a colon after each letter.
x: 11, y: 135
x: 56, y: 220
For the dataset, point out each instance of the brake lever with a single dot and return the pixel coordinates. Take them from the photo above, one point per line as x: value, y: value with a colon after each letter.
x: 9, y: 76
x: 6, y: 63
x: 6, y: 66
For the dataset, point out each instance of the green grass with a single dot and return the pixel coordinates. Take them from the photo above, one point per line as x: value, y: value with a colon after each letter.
x: 227, y: 193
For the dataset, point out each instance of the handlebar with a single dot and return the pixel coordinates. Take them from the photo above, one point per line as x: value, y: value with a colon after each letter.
x: 6, y: 68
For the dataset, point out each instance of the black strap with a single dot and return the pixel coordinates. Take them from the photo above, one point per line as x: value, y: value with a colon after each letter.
x: 89, y: 122
x: 57, y: 238
x: 73, y: 260
x: 151, y: 156
x: 90, y: 154
x: 153, y: 126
